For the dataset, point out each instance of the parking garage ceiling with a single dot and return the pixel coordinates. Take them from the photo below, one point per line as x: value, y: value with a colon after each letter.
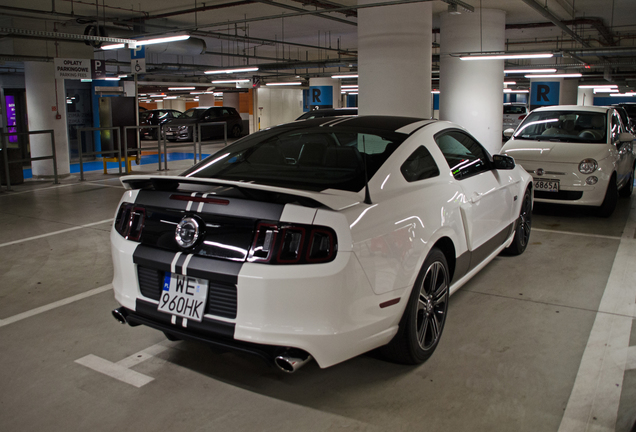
x: 287, y: 39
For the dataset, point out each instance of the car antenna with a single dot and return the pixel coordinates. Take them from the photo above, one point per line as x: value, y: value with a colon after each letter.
x: 367, y: 196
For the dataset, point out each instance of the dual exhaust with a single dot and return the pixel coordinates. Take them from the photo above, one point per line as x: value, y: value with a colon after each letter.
x: 289, y: 362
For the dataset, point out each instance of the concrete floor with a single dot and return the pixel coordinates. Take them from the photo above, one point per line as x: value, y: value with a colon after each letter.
x: 541, y: 342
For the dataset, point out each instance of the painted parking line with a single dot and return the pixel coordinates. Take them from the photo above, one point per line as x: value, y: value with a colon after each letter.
x: 54, y: 305
x: 577, y: 233
x: 595, y: 397
x: 121, y: 370
x: 631, y: 358
x: 56, y: 232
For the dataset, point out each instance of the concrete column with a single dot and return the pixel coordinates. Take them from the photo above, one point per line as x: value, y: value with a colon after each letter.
x: 178, y: 104
x: 231, y: 100
x: 39, y: 79
x: 585, y: 97
x: 207, y: 100
x: 394, y: 59
x: 471, y: 92
x: 318, y: 97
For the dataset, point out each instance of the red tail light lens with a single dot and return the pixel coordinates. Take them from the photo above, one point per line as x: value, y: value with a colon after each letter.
x: 521, y: 117
x: 130, y: 221
x: 293, y: 244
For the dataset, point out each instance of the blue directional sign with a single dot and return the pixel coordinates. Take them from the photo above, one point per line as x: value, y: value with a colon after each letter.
x: 138, y: 53
x: 320, y: 97
x: 544, y: 93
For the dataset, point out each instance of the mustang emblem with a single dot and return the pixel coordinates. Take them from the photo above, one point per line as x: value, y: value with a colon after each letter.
x: 187, y: 232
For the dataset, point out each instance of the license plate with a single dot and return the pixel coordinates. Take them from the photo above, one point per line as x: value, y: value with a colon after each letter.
x: 546, y: 185
x: 169, y: 133
x: 183, y: 296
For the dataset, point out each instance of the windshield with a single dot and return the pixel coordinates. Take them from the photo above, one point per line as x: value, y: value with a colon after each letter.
x: 566, y: 126
x: 193, y: 113
x: 309, y: 159
x: 514, y: 109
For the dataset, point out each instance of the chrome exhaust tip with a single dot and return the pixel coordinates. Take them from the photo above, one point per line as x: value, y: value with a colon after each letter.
x: 119, y: 315
x: 291, y: 362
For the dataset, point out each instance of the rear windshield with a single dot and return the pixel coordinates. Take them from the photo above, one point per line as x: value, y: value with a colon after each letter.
x: 309, y: 159
x: 514, y: 109
x: 566, y: 126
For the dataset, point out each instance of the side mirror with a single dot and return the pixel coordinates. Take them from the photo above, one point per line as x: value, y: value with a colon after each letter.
x: 503, y: 162
x: 626, y: 137
x: 508, y: 132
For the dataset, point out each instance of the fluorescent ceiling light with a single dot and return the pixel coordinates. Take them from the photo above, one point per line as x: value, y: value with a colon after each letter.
x: 149, y: 41
x: 218, y: 94
x: 111, y: 79
x: 599, y: 86
x: 181, y: 88
x: 123, y: 76
x: 157, y: 95
x: 515, y: 91
x: 86, y: 80
x: 236, y: 70
x: 435, y: 91
x: 169, y: 97
x: 352, y: 93
x: 295, y: 83
x: 349, y: 86
x: 196, y: 93
x: 564, y: 75
x: 230, y: 81
x: 605, y: 90
x: 510, y: 82
x: 511, y: 71
x: 343, y: 76
x: 623, y: 95
x: 506, y: 56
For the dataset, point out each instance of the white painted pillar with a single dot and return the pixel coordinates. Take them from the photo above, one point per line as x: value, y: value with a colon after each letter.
x: 394, y: 59
x: 207, y: 100
x: 231, y: 100
x: 471, y: 92
x: 318, y: 97
x: 41, y: 98
x: 585, y: 97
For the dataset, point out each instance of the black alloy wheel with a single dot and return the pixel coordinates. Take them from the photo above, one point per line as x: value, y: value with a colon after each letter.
x: 523, y: 228
x: 236, y: 131
x: 423, y: 321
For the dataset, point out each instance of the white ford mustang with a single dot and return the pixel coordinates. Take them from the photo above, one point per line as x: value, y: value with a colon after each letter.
x: 577, y: 155
x: 321, y: 238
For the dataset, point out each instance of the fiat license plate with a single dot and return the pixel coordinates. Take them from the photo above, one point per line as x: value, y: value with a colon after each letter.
x: 546, y: 185
x: 183, y: 296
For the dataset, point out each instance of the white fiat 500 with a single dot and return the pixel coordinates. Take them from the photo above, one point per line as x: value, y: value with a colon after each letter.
x: 323, y: 239
x: 577, y: 155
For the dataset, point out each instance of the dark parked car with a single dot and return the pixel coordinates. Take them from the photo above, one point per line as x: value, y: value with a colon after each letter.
x: 184, y: 127
x: 628, y: 121
x: 155, y: 117
x: 329, y: 112
x: 630, y: 107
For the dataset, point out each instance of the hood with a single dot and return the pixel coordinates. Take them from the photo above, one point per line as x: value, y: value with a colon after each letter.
x: 529, y: 150
x: 332, y: 198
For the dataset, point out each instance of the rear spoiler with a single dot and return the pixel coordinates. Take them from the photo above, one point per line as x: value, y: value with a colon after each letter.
x: 333, y: 199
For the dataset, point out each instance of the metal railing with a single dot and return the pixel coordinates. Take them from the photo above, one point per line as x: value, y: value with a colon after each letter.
x: 5, y: 146
x: 102, y: 152
x: 166, y: 147
x: 139, y: 149
x: 198, y: 140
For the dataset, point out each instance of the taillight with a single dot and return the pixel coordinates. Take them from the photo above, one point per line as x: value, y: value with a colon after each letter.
x: 293, y: 244
x: 130, y: 221
x: 521, y: 117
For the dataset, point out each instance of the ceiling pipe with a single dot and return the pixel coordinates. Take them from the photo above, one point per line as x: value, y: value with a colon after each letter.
x: 557, y: 22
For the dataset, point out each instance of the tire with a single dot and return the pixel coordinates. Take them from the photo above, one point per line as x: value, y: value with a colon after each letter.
x: 626, y: 191
x: 236, y: 131
x: 523, y: 228
x: 421, y: 326
x: 171, y: 337
x: 611, y: 199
